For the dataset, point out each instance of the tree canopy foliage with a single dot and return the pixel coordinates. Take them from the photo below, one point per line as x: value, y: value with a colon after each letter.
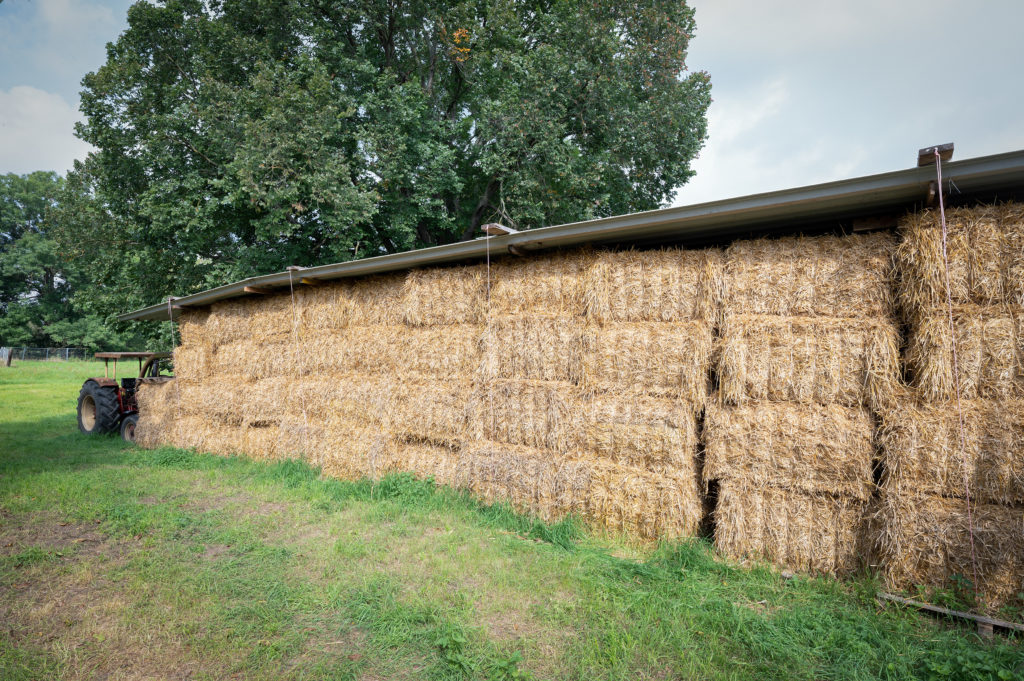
x: 37, y: 280
x: 235, y: 137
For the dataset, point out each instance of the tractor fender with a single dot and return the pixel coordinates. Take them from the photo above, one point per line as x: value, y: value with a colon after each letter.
x: 105, y: 382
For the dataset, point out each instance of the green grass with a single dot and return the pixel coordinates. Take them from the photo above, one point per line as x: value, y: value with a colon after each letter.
x: 123, y: 563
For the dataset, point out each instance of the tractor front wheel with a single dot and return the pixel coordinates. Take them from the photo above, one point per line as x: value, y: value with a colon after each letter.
x: 128, y: 425
x: 98, y: 410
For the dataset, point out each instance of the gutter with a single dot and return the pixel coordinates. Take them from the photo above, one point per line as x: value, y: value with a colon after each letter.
x: 771, y: 212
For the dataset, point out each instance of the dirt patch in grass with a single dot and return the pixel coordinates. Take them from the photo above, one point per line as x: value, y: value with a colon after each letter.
x: 214, y: 551
x: 48, y: 531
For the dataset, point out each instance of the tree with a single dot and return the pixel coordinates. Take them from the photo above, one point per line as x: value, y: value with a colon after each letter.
x: 235, y: 137
x: 36, y: 281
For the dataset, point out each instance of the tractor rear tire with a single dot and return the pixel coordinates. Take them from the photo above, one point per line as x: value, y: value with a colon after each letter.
x: 128, y: 425
x: 98, y: 409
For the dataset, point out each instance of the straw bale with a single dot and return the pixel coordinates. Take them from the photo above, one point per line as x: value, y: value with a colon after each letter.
x: 545, y: 284
x: 532, y: 347
x: 816, y: 533
x: 443, y: 296
x: 436, y: 412
x: 638, y: 430
x: 199, y: 433
x: 157, y: 412
x: 808, y: 448
x: 926, y: 541
x: 660, y: 359
x: 826, y: 276
x: 533, y: 413
x: 252, y: 359
x: 240, y: 319
x: 194, y: 362
x: 804, y: 359
x: 669, y: 285
x: 347, y: 450
x: 921, y: 446
x: 441, y: 352
x: 621, y: 498
x: 662, y: 504
x: 989, y: 352
x: 438, y: 352
x: 192, y: 325
x: 219, y: 401
x: 985, y: 249
x: 367, y: 399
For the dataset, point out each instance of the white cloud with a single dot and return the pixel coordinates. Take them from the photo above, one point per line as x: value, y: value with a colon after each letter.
x: 746, y: 155
x: 37, y: 131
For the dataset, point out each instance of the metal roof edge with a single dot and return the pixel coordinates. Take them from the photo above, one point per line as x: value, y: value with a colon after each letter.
x: 719, y: 218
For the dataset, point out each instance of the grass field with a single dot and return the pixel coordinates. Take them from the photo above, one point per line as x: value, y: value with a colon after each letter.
x: 120, y: 563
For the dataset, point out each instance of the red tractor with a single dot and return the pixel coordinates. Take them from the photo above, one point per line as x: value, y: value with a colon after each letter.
x: 104, y: 406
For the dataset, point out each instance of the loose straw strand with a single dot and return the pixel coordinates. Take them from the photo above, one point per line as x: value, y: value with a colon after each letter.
x: 956, y: 373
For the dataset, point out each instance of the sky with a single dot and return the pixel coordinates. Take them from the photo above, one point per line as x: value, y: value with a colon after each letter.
x: 804, y: 91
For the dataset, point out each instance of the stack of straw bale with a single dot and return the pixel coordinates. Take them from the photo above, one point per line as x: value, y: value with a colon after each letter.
x: 808, y: 347
x: 563, y: 383
x: 925, y: 525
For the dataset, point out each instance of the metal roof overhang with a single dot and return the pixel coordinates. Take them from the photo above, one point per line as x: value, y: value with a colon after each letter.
x: 780, y: 211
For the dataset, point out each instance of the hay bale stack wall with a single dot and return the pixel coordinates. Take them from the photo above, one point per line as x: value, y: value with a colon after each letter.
x: 925, y: 527
x: 572, y: 384
x: 619, y: 385
x: 809, y: 346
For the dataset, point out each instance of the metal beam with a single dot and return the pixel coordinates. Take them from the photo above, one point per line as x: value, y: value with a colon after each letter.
x: 773, y: 212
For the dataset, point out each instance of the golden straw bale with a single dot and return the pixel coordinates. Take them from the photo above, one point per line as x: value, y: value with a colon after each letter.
x: 660, y: 359
x: 445, y: 296
x: 621, y: 498
x: 921, y: 446
x: 369, y: 301
x: 437, y: 352
x: 192, y: 325
x: 810, y: 448
x: 425, y: 460
x: 545, y: 284
x: 649, y: 504
x: 532, y: 347
x: 988, y: 347
x: 253, y: 359
x: 244, y: 318
x: 638, y: 430
x: 668, y: 285
x: 194, y: 362
x: 532, y: 413
x: 804, y: 359
x: 204, y: 435
x: 826, y: 276
x: 434, y: 411
x: 219, y: 401
x: 320, y: 307
x: 816, y: 533
x: 985, y: 250
x: 158, y: 409
x: 265, y: 442
x: 347, y: 450
x: 926, y: 540
x: 366, y: 399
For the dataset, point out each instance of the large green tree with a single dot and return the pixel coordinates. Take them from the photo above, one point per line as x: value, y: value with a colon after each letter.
x: 234, y: 137
x: 37, y: 279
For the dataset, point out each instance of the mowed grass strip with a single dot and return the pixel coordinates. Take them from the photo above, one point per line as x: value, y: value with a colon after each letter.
x: 121, y: 563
